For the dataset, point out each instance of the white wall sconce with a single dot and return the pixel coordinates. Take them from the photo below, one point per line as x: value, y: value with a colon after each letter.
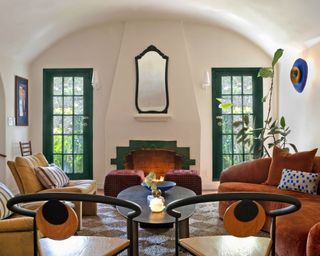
x: 206, y: 83
x: 95, y: 80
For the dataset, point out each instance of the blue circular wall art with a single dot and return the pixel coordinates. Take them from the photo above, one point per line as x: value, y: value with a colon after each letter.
x: 299, y: 74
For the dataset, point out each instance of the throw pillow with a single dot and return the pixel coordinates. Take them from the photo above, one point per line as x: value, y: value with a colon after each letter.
x: 282, y: 159
x: 305, y: 182
x: 52, y: 176
x: 5, y: 195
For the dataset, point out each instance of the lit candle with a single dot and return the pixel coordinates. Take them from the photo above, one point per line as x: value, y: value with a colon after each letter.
x: 156, y: 205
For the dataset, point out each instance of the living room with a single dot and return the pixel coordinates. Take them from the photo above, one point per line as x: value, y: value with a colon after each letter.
x: 195, y: 35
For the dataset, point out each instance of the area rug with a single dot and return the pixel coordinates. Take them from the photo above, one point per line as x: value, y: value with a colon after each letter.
x: 154, y: 242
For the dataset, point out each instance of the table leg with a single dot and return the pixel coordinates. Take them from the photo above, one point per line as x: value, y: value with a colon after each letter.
x: 135, y: 239
x: 184, y: 228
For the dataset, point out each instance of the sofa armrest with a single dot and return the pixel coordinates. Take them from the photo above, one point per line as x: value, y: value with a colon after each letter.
x: 254, y: 171
x: 313, y: 240
x: 16, y: 224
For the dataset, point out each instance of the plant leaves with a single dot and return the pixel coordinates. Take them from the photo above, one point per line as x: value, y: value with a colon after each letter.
x: 264, y: 99
x: 282, y: 122
x: 237, y: 124
x: 265, y: 72
x: 277, y: 55
x: 219, y: 99
x: 225, y: 106
x: 294, y: 147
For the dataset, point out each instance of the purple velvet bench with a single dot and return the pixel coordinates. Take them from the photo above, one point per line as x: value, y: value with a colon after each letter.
x: 186, y: 178
x: 118, y: 180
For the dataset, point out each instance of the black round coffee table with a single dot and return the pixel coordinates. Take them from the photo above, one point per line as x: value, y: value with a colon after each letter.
x: 148, y: 219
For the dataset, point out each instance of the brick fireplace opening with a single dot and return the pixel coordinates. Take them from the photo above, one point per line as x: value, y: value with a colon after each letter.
x: 158, y: 161
x: 150, y: 155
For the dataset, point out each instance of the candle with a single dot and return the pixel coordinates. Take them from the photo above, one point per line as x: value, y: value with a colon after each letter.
x: 156, y: 205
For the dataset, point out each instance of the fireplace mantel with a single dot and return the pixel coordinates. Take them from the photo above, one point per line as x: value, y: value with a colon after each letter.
x: 152, y: 117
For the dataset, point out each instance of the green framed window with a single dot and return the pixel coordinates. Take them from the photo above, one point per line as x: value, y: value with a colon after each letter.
x: 67, y: 120
x: 242, y: 88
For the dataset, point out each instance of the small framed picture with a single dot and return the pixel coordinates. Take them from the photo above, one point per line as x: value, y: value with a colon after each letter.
x: 21, y: 101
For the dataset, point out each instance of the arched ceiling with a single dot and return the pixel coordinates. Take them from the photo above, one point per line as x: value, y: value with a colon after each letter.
x: 28, y: 27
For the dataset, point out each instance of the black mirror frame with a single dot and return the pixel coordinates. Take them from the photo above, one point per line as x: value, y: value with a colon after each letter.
x: 149, y: 49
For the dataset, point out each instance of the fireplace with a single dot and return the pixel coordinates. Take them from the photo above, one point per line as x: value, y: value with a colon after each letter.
x: 155, y: 160
x: 156, y: 156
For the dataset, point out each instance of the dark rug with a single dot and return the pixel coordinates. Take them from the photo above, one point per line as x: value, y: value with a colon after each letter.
x: 154, y: 242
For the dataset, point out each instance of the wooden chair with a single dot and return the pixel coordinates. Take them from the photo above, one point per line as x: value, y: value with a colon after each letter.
x: 25, y: 148
x: 58, y: 222
x: 242, y: 220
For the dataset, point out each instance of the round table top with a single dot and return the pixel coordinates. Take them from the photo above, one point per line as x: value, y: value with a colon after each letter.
x: 139, y: 194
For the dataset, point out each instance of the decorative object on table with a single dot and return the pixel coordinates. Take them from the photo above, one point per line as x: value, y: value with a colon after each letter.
x: 157, y: 186
x: 157, y: 204
x: 21, y: 101
x: 299, y: 74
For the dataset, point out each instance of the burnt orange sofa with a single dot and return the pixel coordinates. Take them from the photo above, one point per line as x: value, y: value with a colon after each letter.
x: 298, y: 233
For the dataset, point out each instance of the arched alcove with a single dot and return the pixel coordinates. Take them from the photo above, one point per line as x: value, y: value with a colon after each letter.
x: 2, y: 132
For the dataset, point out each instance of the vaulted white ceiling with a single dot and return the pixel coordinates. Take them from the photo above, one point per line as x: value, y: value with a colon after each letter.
x: 29, y: 26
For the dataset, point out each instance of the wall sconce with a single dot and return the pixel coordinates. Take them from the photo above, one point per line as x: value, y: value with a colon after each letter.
x: 206, y: 83
x: 95, y: 80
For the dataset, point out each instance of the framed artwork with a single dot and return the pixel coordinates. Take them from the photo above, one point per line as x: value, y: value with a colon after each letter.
x: 21, y: 101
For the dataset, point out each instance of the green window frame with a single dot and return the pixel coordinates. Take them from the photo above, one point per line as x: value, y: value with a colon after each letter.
x: 243, y: 88
x: 74, y: 132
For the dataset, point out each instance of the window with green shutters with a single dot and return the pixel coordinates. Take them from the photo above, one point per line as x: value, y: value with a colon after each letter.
x: 242, y: 88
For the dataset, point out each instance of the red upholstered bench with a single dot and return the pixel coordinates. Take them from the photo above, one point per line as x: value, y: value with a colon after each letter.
x: 118, y: 180
x: 186, y: 178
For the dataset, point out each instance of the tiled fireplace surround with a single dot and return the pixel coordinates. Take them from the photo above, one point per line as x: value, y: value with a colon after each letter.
x: 158, y: 156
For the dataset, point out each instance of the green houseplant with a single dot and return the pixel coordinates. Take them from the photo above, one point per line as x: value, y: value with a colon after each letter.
x: 273, y: 132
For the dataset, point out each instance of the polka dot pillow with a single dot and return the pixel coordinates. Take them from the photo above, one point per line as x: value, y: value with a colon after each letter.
x: 305, y: 182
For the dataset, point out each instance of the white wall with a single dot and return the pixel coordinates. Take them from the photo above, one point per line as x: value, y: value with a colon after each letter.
x: 98, y: 48
x: 111, y: 48
x: 184, y: 126
x: 302, y: 110
x: 10, y: 135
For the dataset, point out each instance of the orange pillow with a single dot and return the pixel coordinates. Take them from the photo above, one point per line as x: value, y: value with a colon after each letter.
x: 281, y: 159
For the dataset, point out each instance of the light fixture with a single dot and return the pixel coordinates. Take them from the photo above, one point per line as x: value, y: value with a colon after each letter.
x: 206, y: 80
x: 95, y: 80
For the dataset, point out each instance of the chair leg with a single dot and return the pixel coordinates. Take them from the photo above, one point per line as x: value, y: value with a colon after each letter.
x: 78, y: 210
x: 89, y: 208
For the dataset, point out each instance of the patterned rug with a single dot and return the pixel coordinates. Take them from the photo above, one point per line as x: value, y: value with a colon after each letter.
x: 153, y: 242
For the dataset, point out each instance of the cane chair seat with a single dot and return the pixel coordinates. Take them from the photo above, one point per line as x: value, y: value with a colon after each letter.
x: 227, y: 245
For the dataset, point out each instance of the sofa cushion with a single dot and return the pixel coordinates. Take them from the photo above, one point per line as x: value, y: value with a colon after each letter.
x: 52, y: 176
x: 302, y: 161
x: 5, y: 195
x: 25, y: 168
x: 77, y: 186
x: 305, y: 182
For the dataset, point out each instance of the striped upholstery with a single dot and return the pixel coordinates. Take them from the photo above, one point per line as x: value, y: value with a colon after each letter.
x: 5, y: 195
x: 51, y: 176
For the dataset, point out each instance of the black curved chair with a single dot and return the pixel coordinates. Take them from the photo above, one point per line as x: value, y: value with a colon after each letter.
x: 243, y: 219
x: 58, y: 221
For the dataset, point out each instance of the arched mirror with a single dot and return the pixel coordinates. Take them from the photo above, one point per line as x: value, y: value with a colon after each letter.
x: 152, y: 81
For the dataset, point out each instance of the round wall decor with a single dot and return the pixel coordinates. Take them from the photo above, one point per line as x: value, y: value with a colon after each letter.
x: 299, y: 74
